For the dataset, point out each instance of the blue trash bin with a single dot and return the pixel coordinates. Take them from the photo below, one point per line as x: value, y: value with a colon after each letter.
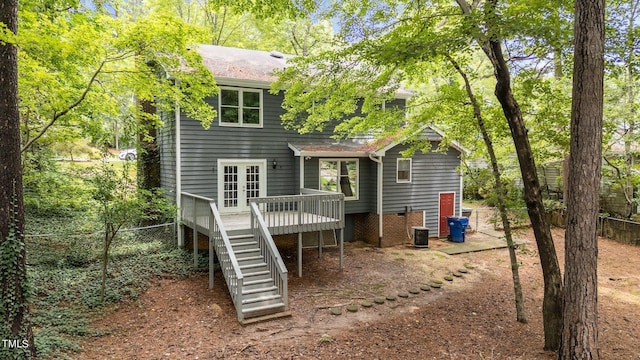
x: 457, y: 227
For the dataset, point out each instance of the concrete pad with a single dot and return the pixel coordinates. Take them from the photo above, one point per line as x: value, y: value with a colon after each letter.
x: 480, y: 244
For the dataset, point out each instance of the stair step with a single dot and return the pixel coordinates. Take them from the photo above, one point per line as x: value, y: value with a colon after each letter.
x: 259, y: 281
x: 262, y: 308
x: 258, y: 290
x: 240, y: 236
x: 253, y: 244
x: 246, y: 251
x: 257, y: 275
x: 258, y: 299
x: 241, y: 232
x: 249, y: 259
x: 252, y: 266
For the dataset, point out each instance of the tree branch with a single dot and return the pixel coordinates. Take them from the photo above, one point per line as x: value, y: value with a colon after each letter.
x: 58, y: 115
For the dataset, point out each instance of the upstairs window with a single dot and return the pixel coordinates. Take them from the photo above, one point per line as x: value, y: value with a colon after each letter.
x: 403, y: 174
x: 340, y: 176
x: 240, y: 107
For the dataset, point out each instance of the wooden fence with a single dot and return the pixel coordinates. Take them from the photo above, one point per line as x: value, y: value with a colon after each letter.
x: 620, y: 230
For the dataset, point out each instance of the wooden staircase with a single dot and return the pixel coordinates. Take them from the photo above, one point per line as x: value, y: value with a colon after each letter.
x: 261, y: 298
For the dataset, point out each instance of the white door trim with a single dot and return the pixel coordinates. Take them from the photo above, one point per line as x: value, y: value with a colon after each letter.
x: 241, y: 163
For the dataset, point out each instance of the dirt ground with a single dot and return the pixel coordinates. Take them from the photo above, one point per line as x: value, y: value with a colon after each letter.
x: 471, y: 317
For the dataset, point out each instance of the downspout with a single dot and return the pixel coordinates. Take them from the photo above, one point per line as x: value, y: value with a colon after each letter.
x: 378, y: 160
x: 460, y: 195
x: 461, y: 174
x: 178, y: 176
x: 301, y: 173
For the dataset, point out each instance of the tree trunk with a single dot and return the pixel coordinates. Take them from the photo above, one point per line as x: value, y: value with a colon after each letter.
x: 501, y: 193
x: 149, y: 154
x: 14, y: 312
x: 552, y: 303
x: 580, y: 331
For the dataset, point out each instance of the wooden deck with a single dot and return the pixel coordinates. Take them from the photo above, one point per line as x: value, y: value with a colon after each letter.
x: 312, y: 211
x: 279, y: 222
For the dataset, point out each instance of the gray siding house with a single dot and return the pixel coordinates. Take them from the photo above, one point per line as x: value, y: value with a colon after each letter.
x: 247, y: 153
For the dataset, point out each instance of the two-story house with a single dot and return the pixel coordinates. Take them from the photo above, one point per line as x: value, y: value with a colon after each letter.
x: 247, y: 154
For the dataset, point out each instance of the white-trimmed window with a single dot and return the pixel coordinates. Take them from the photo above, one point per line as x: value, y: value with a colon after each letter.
x: 340, y: 175
x: 240, y: 107
x: 403, y: 167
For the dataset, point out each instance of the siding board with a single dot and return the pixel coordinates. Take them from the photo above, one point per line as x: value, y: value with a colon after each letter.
x: 432, y: 173
x: 202, y: 148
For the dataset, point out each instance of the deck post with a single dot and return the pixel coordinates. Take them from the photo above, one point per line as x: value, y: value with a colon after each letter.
x: 211, y: 253
x: 320, y: 243
x: 195, y: 235
x: 341, y: 247
x: 299, y: 254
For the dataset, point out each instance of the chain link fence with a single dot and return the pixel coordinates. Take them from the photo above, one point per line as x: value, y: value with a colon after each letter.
x: 78, y: 249
x: 487, y: 219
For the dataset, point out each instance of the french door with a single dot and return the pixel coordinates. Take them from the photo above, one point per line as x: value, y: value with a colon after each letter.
x: 239, y: 181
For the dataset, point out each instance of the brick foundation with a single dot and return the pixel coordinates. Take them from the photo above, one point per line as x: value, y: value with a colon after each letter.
x: 397, y: 228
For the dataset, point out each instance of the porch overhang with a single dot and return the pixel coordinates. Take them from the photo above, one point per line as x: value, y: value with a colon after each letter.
x: 337, y: 149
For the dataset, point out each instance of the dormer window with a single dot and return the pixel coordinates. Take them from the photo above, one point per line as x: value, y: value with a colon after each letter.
x: 240, y: 107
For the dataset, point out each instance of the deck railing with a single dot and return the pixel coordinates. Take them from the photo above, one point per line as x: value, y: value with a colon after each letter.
x: 312, y: 210
x: 219, y: 240
x: 201, y: 214
x: 195, y: 213
x: 270, y: 253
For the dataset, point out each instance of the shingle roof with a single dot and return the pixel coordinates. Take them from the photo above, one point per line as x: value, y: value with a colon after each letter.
x: 235, y: 63
x: 250, y: 65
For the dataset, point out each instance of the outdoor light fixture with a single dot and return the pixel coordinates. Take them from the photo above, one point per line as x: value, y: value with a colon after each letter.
x: 274, y: 163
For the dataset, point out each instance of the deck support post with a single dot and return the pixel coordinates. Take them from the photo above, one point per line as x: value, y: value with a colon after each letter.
x: 211, y: 267
x: 211, y: 250
x: 299, y: 254
x: 195, y: 235
x: 320, y: 243
x: 341, y: 247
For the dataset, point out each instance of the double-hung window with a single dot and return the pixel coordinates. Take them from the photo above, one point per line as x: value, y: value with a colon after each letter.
x: 403, y: 170
x: 340, y: 175
x: 240, y: 107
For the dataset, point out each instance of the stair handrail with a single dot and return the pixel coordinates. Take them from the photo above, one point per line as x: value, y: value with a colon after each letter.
x: 270, y: 253
x: 227, y: 258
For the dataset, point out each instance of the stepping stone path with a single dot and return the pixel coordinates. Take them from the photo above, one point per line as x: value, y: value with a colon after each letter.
x: 433, y: 283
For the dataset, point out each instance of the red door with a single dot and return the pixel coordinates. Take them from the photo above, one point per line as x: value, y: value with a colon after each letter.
x: 447, y: 201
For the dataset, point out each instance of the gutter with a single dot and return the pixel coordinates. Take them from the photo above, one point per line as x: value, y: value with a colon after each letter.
x: 378, y: 160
